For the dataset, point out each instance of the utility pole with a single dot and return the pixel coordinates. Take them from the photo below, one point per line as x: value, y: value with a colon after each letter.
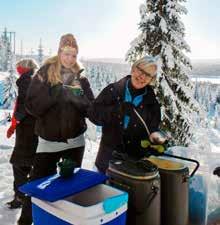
x: 31, y: 52
x: 21, y: 48
x: 40, y: 53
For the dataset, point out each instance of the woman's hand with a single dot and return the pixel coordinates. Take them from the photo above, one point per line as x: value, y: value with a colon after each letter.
x: 75, y: 90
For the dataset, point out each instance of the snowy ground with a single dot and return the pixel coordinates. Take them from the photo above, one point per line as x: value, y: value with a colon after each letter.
x: 211, y: 156
x: 9, y: 217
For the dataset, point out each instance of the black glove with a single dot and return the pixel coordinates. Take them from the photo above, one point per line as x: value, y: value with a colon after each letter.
x: 81, y: 103
x: 55, y: 90
x: 126, y: 108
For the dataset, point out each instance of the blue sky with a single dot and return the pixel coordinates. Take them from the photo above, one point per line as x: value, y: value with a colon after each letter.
x: 103, y: 28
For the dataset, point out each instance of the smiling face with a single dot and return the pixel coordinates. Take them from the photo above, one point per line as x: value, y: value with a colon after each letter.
x: 68, y: 57
x: 141, y: 78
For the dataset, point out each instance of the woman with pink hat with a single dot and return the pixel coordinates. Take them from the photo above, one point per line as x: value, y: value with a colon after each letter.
x: 58, y: 98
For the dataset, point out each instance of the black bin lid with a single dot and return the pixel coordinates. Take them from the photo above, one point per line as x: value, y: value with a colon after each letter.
x: 139, y: 168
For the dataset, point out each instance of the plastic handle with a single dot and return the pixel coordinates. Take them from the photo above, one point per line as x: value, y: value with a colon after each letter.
x: 113, y: 203
x: 186, y: 159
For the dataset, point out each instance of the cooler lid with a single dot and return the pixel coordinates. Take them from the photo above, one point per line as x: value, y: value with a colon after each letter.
x: 53, y: 188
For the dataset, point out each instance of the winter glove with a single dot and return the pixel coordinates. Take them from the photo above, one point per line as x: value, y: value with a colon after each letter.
x: 12, y: 128
x: 77, y: 98
x: 157, y: 149
x: 126, y: 108
x: 55, y: 90
x: 152, y: 149
x: 10, y: 131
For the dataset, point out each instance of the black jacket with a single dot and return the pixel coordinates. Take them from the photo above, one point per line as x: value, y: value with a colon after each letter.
x: 60, y: 114
x: 26, y: 141
x: 105, y: 111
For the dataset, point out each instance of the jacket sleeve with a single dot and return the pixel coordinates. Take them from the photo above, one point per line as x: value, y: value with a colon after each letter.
x: 156, y: 118
x: 41, y: 96
x: 20, y: 112
x: 87, y: 89
x: 104, y: 108
x: 155, y: 112
x: 80, y: 102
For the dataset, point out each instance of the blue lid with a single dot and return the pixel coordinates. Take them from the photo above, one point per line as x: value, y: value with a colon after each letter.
x: 53, y: 188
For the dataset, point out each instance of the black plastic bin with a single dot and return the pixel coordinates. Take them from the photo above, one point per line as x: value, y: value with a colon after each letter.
x: 142, y: 181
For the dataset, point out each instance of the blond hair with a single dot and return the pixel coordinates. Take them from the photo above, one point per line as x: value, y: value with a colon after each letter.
x: 54, y: 76
x: 27, y: 63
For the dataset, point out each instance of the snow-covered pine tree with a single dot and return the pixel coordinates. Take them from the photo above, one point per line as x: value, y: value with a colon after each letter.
x: 4, y: 52
x: 10, y: 88
x: 162, y: 35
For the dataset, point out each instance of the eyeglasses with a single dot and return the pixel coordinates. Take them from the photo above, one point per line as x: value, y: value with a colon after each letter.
x: 146, y: 74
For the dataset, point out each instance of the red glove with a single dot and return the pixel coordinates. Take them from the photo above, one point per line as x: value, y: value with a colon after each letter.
x: 13, y: 122
x: 12, y: 128
x: 10, y: 131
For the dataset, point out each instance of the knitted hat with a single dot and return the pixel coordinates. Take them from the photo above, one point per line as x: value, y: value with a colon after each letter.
x: 67, y: 41
x: 26, y: 65
x: 145, y: 62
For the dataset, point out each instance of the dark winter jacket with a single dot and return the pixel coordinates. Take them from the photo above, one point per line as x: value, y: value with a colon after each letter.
x: 105, y: 111
x: 60, y: 114
x: 26, y: 140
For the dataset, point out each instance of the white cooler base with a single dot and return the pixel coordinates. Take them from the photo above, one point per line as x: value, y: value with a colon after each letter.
x: 73, y: 210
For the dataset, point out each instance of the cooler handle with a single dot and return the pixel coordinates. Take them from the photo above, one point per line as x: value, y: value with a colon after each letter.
x: 186, y: 159
x: 113, y: 203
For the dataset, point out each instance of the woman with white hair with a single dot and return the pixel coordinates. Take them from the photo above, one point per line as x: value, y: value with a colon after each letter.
x: 117, y: 107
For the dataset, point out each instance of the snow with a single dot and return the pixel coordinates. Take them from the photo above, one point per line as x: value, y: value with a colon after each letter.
x: 3, y: 75
x: 9, y: 217
x: 8, y: 88
x: 209, y: 157
x: 206, y: 147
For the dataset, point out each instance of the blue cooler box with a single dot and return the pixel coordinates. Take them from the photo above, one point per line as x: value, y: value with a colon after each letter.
x: 82, y: 199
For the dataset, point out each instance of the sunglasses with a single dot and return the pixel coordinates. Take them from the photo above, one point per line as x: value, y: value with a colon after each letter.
x: 146, y: 74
